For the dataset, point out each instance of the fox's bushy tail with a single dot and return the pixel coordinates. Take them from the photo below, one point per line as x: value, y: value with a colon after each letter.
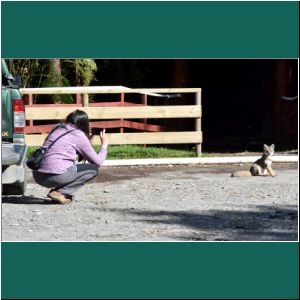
x: 241, y: 174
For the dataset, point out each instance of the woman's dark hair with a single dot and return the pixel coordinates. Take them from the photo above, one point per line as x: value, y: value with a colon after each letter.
x: 81, y: 120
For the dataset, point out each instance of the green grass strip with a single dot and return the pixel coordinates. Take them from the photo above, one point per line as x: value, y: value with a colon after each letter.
x: 134, y: 151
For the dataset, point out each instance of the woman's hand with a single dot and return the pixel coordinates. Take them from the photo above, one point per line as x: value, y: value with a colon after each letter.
x: 103, y: 138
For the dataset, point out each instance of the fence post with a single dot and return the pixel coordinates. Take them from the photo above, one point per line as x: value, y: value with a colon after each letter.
x: 198, y: 123
x: 145, y: 102
x: 30, y: 99
x: 30, y: 102
x: 78, y: 98
x: 122, y: 98
x: 85, y: 100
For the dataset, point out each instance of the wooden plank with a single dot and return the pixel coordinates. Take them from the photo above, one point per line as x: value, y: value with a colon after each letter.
x: 142, y: 126
x: 85, y: 100
x: 182, y: 111
x: 38, y: 128
x: 198, y: 124
x: 74, y: 90
x: 106, y: 124
x: 100, y: 124
x: 48, y: 127
x: 113, y: 104
x: 104, y: 90
x: 122, y: 102
x: 78, y: 98
x: 45, y: 106
x: 186, y: 137
x: 153, y: 138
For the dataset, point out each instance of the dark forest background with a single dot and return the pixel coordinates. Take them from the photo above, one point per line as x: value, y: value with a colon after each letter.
x: 242, y: 100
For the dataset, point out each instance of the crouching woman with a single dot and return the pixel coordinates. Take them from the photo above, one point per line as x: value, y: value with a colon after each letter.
x: 59, y: 170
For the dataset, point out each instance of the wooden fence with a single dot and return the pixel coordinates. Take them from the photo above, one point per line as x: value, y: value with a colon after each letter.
x: 116, y: 113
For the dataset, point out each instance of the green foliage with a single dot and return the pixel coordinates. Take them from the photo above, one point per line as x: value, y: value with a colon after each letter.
x: 30, y: 150
x: 85, y: 71
x: 31, y: 70
x: 54, y: 72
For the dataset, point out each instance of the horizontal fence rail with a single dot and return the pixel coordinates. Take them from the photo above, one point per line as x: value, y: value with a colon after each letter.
x: 188, y: 111
x: 183, y: 137
x: 115, y: 114
x: 104, y: 90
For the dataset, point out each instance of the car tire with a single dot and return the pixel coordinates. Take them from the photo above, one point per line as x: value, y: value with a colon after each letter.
x: 18, y: 188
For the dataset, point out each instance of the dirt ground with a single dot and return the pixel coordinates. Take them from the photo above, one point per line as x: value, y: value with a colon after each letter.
x: 162, y: 203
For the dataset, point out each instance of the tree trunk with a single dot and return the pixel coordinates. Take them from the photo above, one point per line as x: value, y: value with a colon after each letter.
x: 56, y: 77
x: 181, y: 71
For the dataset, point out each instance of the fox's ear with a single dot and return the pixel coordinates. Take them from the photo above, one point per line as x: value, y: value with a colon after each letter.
x: 265, y: 146
x: 273, y: 146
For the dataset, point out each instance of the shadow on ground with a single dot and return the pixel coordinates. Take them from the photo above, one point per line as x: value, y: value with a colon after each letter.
x: 262, y: 223
x: 26, y: 200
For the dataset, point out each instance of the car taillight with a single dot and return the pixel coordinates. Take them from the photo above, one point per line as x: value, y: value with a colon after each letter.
x: 19, y: 116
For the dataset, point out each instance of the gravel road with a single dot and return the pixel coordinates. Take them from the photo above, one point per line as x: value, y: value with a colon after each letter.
x: 162, y: 203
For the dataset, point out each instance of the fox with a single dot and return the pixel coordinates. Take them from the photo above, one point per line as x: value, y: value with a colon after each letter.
x: 262, y: 166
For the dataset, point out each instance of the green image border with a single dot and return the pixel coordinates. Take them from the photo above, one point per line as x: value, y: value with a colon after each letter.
x: 150, y: 270
x: 95, y: 270
x: 145, y: 29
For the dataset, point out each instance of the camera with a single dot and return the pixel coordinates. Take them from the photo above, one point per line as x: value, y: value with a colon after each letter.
x: 96, y: 131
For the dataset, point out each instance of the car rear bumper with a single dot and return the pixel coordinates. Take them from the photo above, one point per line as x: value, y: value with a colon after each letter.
x: 13, y: 163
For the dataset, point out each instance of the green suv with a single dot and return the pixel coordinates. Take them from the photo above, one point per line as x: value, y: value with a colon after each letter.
x: 13, y: 138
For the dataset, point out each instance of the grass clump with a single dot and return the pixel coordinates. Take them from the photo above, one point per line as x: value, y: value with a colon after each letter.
x: 135, y: 151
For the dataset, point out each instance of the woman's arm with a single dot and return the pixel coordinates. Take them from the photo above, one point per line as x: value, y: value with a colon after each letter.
x: 87, y: 151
